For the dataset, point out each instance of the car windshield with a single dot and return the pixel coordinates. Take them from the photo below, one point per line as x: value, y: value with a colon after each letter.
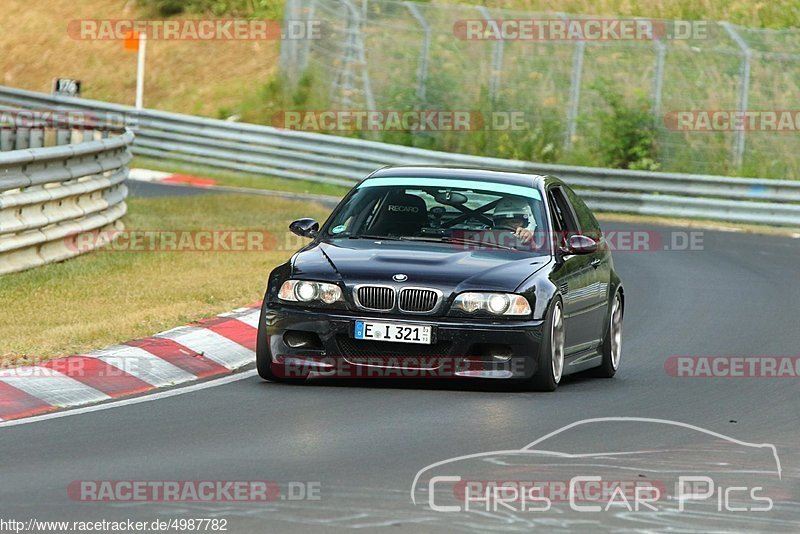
x: 481, y: 214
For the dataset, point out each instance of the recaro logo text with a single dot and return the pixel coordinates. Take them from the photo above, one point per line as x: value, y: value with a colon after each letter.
x: 396, y: 207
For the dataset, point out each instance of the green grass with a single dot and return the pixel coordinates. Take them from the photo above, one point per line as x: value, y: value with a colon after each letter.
x: 107, y: 297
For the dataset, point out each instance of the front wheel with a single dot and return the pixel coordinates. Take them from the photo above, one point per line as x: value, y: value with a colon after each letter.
x: 551, y: 354
x: 612, y: 344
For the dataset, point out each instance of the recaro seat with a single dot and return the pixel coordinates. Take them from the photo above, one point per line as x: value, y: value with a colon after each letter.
x: 401, y: 214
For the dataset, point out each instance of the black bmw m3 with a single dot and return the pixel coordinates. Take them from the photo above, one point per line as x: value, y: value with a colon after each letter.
x: 446, y: 272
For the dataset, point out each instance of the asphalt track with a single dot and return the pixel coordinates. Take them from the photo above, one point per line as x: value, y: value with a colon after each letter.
x: 365, y: 442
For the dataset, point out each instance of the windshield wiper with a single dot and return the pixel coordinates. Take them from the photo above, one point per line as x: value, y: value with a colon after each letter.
x: 488, y: 244
x: 456, y: 241
x: 378, y: 237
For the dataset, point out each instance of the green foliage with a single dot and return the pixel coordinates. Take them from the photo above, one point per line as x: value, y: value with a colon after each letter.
x: 272, y: 9
x: 627, y: 137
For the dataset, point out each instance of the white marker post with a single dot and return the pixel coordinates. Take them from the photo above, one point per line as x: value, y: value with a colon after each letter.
x: 140, y: 70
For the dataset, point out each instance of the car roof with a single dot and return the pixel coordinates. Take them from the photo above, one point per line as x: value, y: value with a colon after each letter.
x: 462, y: 173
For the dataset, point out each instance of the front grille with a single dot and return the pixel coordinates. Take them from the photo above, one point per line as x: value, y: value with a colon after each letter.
x: 418, y: 300
x: 375, y: 297
x: 367, y: 350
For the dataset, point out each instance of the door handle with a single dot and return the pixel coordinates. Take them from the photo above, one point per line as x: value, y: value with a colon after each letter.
x: 596, y: 263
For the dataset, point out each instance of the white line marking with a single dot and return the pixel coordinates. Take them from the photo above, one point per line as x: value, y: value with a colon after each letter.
x: 136, y: 400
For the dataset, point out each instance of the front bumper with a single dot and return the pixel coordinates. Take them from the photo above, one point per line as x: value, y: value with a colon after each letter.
x: 461, y: 348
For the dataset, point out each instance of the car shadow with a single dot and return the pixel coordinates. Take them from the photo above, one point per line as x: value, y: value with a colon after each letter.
x: 432, y: 384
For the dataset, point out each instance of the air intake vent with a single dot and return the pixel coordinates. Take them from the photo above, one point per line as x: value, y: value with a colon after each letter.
x: 418, y: 300
x: 371, y: 352
x: 378, y: 298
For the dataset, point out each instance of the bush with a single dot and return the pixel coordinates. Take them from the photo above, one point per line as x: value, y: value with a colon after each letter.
x: 272, y: 9
x: 627, y: 137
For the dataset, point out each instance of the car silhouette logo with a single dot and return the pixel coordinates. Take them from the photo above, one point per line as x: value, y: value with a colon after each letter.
x: 400, y: 277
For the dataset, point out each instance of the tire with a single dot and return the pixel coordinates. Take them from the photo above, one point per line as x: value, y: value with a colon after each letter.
x: 612, y: 342
x: 551, y: 354
x: 264, y: 364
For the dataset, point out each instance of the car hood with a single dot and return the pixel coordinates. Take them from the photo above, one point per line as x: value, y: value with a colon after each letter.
x: 428, y: 264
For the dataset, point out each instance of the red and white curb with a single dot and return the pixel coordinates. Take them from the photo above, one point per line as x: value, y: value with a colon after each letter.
x: 210, y: 347
x: 147, y: 175
x: 185, y: 180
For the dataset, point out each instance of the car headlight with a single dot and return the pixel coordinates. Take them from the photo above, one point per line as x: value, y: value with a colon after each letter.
x: 308, y: 291
x: 494, y: 303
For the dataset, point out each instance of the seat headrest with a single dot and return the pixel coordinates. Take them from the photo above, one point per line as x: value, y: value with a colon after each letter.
x: 401, y: 214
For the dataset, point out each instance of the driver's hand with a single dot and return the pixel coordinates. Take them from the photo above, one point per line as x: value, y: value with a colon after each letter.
x: 523, y: 234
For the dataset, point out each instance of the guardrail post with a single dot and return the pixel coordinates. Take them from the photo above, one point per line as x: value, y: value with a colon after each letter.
x: 354, y: 58
x: 23, y: 138
x: 343, y: 80
x: 658, y: 79
x: 362, y: 61
x: 744, y: 91
x: 574, y: 93
x: 37, y: 138
x: 422, y: 65
x: 63, y: 137
x: 302, y: 59
x: 6, y: 140
x: 288, y: 51
x: 497, y: 56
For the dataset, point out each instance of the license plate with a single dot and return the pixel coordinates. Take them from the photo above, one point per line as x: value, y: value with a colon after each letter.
x: 397, y: 332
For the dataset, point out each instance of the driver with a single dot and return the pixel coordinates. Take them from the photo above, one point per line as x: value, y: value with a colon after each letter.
x: 514, y: 214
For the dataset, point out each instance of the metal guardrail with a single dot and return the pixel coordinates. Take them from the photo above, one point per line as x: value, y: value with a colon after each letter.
x: 56, y: 186
x: 341, y: 160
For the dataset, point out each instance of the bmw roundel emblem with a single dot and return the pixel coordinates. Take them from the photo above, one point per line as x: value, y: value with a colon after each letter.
x: 400, y: 277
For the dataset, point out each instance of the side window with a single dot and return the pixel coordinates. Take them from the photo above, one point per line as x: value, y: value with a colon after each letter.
x: 555, y: 214
x: 588, y: 223
x: 562, y: 214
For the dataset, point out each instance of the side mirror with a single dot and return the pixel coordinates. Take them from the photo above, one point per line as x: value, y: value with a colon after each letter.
x: 579, y: 244
x: 304, y: 227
